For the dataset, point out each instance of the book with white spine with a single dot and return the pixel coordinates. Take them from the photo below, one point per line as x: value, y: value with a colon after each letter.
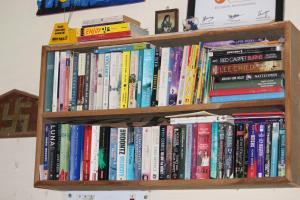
x: 106, y: 80
x: 163, y: 93
x: 100, y: 78
x: 146, y: 155
x: 201, y: 119
x: 93, y: 81
x: 154, y: 171
x: 183, y: 72
x: 115, y: 80
x: 94, y: 153
x: 55, y: 82
x: 133, y: 77
x: 122, y: 154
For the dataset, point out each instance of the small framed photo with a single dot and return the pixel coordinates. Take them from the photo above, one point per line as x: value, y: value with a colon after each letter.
x: 166, y: 21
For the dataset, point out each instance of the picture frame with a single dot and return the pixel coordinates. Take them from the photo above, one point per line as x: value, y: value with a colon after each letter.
x: 216, y: 14
x: 166, y: 21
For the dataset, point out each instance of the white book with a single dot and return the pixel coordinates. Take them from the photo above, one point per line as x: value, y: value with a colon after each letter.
x: 122, y: 154
x: 99, y: 88
x: 106, y: 80
x: 163, y: 93
x: 94, y: 153
x: 115, y: 80
x: 133, y: 78
x: 154, y: 172
x: 71, y: 80
x: 80, y: 79
x: 146, y: 155
x: 55, y: 82
x: 93, y: 79
x: 202, y: 119
x: 183, y: 71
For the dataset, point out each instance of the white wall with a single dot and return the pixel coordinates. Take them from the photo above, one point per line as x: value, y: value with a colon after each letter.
x: 22, y: 35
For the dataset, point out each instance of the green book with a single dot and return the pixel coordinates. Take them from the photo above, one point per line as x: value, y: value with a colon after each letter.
x: 64, y: 152
x: 49, y: 82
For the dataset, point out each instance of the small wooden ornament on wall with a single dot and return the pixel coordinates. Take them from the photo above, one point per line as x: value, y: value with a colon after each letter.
x: 18, y: 114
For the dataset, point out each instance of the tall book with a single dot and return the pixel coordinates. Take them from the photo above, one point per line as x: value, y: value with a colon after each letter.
x: 106, y: 80
x: 125, y: 79
x: 183, y: 73
x: 188, y: 152
x: 156, y: 73
x: 138, y: 140
x: 55, y: 82
x: 64, y: 157
x: 103, y: 156
x: 281, y: 148
x: 175, y: 152
x: 221, y: 149
x: 94, y: 153
x: 261, y: 150
x: 252, y: 159
x: 214, y: 150
x: 80, y: 81
x: 67, y: 82
x: 175, y: 78
x: 239, y: 167
x: 62, y: 80
x: 113, y: 148
x: 53, y: 145
x: 154, y: 170
x: 146, y: 155
x: 268, y: 128
x: 133, y: 77
x: 122, y: 154
x: 147, y: 80
x: 87, y: 152
x: 163, y: 91
x: 93, y: 81
x: 169, y: 150
x: 87, y: 79
x: 100, y: 83
x: 229, y: 152
x: 57, y: 150
x: 70, y: 85
x: 274, y: 149
x: 139, y: 79
x: 162, y: 152
x: 182, y: 152
x: 46, y: 151
x: 115, y: 80
x: 74, y: 81
x: 130, y: 154
x: 49, y: 81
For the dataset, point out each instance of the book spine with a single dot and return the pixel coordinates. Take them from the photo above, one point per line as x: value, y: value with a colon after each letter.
x: 120, y: 48
x: 103, y: 158
x: 147, y: 81
x: 113, y: 154
x: 93, y: 82
x: 175, y: 79
x: 76, y: 145
x: 281, y: 149
x: 198, y: 98
x: 183, y: 73
x: 157, y: 61
x: 245, y: 51
x: 214, y: 150
x: 169, y: 149
x: 105, y: 36
x: 252, y: 67
x: 240, y: 91
x: 100, y: 83
x: 55, y: 82
x: 74, y: 82
x: 122, y: 154
x: 125, y: 79
x: 251, y: 57
x: 113, y: 28
x: 80, y: 83
x: 110, y: 20
x: 240, y: 151
x: 57, y: 150
x: 94, y: 153
x: 130, y: 154
x: 182, y: 151
x: 146, y: 155
x: 70, y: 99
x: 154, y: 170
x: 248, y: 77
x: 46, y: 151
x: 133, y: 76
x: 64, y: 153
x: 62, y: 80
x: 106, y: 80
x: 49, y: 82
x: 138, y: 137
x: 164, y: 76
x: 53, y: 143
x: 229, y: 149
x: 268, y: 128
x: 252, y: 161
x: 139, y: 79
x: 87, y: 152
x: 86, y: 87
x: 162, y: 152
x: 188, y: 152
x: 194, y: 151
x: 274, y: 149
x: 261, y: 151
x: 170, y: 71
x: 67, y: 82
x: 221, y: 148
x: 115, y: 80
x: 175, y: 153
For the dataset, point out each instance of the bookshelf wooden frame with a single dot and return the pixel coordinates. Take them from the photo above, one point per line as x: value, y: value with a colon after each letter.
x: 291, y: 106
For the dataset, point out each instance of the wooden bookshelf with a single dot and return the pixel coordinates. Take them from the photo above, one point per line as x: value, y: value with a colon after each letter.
x: 290, y: 105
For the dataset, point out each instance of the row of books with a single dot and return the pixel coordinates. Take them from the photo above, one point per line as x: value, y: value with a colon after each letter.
x: 140, y: 75
x: 213, y: 147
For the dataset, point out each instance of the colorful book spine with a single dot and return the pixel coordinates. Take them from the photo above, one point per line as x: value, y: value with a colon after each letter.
x: 113, y: 154
x: 139, y: 79
x: 104, y: 29
x: 188, y: 152
x: 214, y: 150
x: 268, y: 144
x: 154, y: 170
x: 156, y: 73
x: 239, y: 91
x: 252, y: 159
x: 221, y: 149
x: 247, y: 77
x: 106, y: 80
x: 99, y: 83
x: 87, y: 152
x: 138, y: 140
x: 53, y: 143
x: 46, y: 151
x: 115, y: 80
x: 162, y: 152
x: 120, y: 48
x: 76, y: 146
x: 64, y: 157
x: 103, y: 156
x: 80, y: 81
x: 169, y: 150
x: 55, y: 82
x: 229, y: 152
x: 86, y: 86
x: 70, y: 99
x: 175, y: 78
x: 125, y: 79
x: 62, y: 80
x: 164, y: 77
x: 281, y: 149
x: 133, y: 75
x: 74, y: 81
x: 261, y: 151
x: 147, y: 80
x: 67, y: 82
x: 194, y: 151
x: 183, y: 74
x: 130, y: 154
x: 146, y: 155
x: 182, y: 153
x: 240, y: 150
x: 49, y: 81
x: 94, y: 153
x: 274, y: 149
x: 122, y: 154
x: 104, y: 36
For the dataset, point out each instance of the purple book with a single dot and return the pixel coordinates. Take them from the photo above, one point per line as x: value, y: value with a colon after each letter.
x: 261, y: 150
x: 175, y: 62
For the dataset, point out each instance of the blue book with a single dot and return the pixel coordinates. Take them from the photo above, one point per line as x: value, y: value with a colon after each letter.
x: 120, y: 48
x: 138, y: 138
x: 281, y: 146
x: 147, y: 82
x: 274, y: 150
x: 74, y: 81
x: 49, y: 82
x: 252, y: 164
x: 188, y: 152
x: 248, y: 97
x: 139, y: 79
x: 130, y: 154
x: 76, y: 151
x: 49, y: 3
x: 214, y: 150
x: 113, y: 154
x: 46, y: 137
x: 261, y: 150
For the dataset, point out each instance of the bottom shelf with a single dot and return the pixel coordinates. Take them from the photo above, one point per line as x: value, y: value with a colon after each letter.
x: 166, y: 184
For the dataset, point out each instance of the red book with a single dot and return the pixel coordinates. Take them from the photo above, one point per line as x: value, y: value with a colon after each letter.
x: 87, y: 152
x: 237, y: 91
x: 194, y: 151
x: 252, y: 156
x: 203, y: 150
x: 104, y: 36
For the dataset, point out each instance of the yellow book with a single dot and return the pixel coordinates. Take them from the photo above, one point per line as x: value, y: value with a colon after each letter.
x: 191, y: 76
x: 111, y: 28
x: 199, y: 90
x: 125, y: 79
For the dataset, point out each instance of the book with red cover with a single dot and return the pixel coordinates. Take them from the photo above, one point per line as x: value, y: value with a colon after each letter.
x: 105, y: 36
x: 87, y: 152
x: 203, y: 150
x: 237, y: 91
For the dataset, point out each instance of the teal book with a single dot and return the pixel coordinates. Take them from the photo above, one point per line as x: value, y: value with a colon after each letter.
x: 274, y: 150
x: 64, y: 167
x: 281, y: 149
x: 120, y: 48
x: 214, y: 150
x: 139, y: 79
x: 49, y: 82
x: 147, y: 82
x: 130, y: 154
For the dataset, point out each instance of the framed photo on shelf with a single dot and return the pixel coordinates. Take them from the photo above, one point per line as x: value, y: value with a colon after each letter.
x: 229, y: 13
x: 166, y: 21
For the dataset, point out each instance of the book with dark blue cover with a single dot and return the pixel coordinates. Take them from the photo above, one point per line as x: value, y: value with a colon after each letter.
x: 76, y: 150
x: 261, y: 150
x: 46, y: 138
x: 49, y: 82
x: 138, y: 138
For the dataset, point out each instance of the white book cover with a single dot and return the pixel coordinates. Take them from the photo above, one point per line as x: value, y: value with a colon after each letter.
x: 133, y: 76
x: 99, y: 88
x: 71, y: 80
x: 202, y: 119
x: 94, y: 153
x: 183, y: 71
x: 115, y: 80
x: 122, y: 154
x: 163, y: 93
x: 146, y: 155
x: 81, y: 75
x: 62, y: 81
x: 154, y: 173
x: 55, y: 81
x: 93, y: 81
x: 106, y: 80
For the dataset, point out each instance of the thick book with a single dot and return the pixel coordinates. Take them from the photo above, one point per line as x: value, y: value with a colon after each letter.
x: 240, y: 91
x: 139, y: 79
x: 182, y: 152
x: 80, y: 81
x: 240, y: 131
x: 74, y: 81
x: 55, y: 82
x: 122, y: 154
x: 67, y: 82
x: 268, y: 145
x: 106, y: 80
x: 252, y: 148
x: 105, y: 36
x: 154, y: 170
x: 125, y: 79
x: 93, y: 81
x: 156, y: 74
x: 103, y: 155
x: 214, y: 150
x: 229, y: 151
x: 221, y: 149
x: 94, y: 153
x: 261, y: 150
x: 274, y: 149
x: 52, y: 156
x: 138, y: 140
x: 130, y: 154
x: 245, y: 50
x: 86, y: 86
x: 113, y: 148
x: 64, y: 167
x: 281, y: 149
x: 162, y: 152
x: 164, y: 77
x: 62, y: 80
x: 169, y: 150
x: 87, y: 152
x: 147, y: 80
x: 146, y: 155
x: 100, y: 82
x: 175, y: 152
x: 188, y: 151
x: 175, y: 75
x: 115, y: 80
x: 133, y: 75
x: 183, y: 71
x: 49, y: 81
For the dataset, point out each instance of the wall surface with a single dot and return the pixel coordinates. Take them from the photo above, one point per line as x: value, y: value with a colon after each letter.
x: 22, y: 35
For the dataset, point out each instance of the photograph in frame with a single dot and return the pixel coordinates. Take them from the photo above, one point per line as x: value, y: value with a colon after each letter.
x: 166, y: 21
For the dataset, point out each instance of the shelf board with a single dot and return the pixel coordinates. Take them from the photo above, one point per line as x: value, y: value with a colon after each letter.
x: 166, y: 184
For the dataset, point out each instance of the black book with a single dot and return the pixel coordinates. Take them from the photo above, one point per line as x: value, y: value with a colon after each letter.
x: 52, y: 145
x: 103, y: 156
x: 154, y: 97
x: 162, y: 152
x: 176, y: 153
